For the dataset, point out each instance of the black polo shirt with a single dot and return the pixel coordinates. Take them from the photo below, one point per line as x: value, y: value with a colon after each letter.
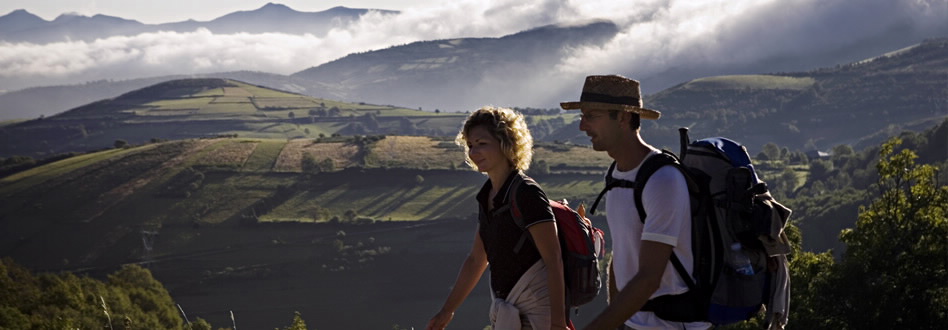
x: 500, y: 234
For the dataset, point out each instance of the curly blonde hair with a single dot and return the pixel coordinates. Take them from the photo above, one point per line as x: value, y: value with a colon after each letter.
x: 508, y: 127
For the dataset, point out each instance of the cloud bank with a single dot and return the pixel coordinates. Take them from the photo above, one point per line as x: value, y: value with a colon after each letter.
x: 660, y: 41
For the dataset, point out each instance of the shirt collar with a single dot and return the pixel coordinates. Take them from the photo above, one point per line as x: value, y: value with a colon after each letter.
x: 484, y: 193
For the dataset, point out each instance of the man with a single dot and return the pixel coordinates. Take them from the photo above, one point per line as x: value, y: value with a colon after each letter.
x: 612, y: 108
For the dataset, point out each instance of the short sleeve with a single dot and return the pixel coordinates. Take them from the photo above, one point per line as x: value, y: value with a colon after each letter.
x: 667, y: 205
x: 533, y: 205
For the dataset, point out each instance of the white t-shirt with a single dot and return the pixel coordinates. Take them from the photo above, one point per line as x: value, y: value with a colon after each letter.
x: 668, y: 210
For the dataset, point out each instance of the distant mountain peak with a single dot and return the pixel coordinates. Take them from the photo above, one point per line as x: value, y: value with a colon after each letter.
x: 68, y: 16
x: 269, y: 9
x: 20, y: 14
x: 583, y: 22
x: 275, y: 6
x: 115, y: 18
x: 574, y: 25
x: 19, y: 19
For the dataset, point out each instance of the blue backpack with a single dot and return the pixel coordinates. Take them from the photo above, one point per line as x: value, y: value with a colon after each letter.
x: 733, y: 217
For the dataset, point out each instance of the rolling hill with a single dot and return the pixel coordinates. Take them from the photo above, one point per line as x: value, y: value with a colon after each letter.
x: 217, y: 174
x: 194, y: 108
x: 45, y: 101
x: 227, y: 223
x: 859, y: 104
x: 453, y: 74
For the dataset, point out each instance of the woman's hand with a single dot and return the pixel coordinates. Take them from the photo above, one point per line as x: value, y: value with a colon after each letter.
x: 471, y: 271
x: 440, y: 320
x: 548, y: 244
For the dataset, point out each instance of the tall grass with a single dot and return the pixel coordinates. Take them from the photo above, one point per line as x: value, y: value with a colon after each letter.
x: 105, y: 309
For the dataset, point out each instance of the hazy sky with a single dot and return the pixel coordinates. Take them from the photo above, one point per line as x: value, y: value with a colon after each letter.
x: 657, y: 38
x: 166, y: 11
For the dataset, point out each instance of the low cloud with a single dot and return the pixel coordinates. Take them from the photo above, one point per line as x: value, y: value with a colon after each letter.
x: 660, y: 41
x: 688, y: 33
x: 173, y: 53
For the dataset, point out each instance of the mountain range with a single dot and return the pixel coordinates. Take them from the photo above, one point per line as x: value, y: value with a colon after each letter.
x: 454, y: 74
x: 531, y: 64
x: 22, y: 26
x: 859, y: 103
x: 446, y: 74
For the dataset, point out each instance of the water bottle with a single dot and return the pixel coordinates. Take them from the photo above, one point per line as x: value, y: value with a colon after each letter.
x: 739, y: 261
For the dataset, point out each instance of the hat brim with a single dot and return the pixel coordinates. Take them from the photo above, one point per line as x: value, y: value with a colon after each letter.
x: 643, y: 112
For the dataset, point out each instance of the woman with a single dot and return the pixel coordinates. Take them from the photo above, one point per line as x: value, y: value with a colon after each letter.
x: 527, y: 286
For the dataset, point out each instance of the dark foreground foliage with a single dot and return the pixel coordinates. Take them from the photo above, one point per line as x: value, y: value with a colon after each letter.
x: 67, y: 301
x: 129, y: 299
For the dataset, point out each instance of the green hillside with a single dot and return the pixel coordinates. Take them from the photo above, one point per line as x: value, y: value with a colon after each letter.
x: 859, y: 104
x: 237, y: 181
x: 749, y: 82
x: 207, y: 215
x: 200, y: 108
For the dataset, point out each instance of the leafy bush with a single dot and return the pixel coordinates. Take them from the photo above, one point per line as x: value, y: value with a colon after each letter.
x: 130, y: 299
x: 894, y: 258
x: 59, y: 301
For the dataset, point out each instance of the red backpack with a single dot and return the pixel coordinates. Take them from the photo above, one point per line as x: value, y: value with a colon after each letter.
x: 582, y: 246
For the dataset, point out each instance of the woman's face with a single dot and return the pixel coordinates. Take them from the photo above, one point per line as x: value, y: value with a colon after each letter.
x: 484, y: 150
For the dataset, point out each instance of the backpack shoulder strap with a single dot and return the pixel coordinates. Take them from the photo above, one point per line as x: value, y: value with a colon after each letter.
x: 610, y: 183
x: 510, y: 205
x: 512, y: 194
x: 649, y: 167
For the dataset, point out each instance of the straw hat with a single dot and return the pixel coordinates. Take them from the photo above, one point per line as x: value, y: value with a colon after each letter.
x: 612, y: 92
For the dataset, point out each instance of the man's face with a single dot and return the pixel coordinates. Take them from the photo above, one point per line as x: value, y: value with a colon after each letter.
x: 601, y: 129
